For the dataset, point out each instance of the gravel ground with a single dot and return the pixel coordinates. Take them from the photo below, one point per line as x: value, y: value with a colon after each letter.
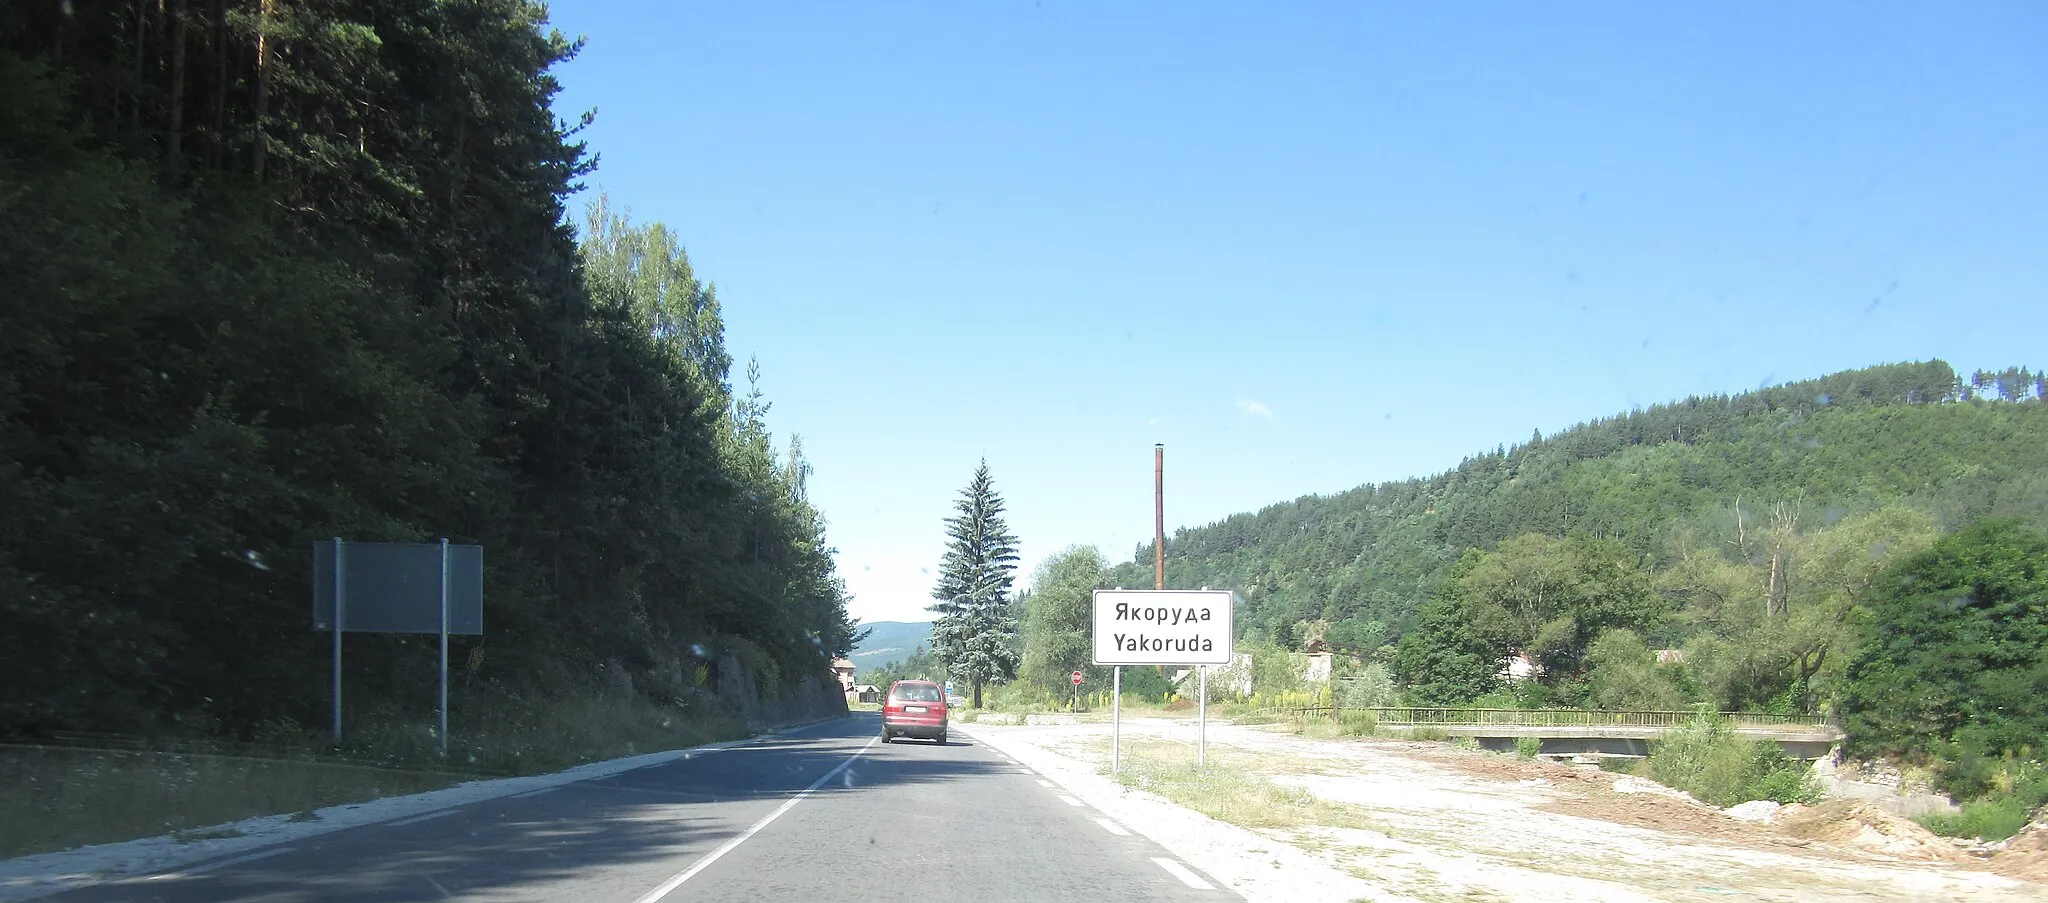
x: 1460, y: 824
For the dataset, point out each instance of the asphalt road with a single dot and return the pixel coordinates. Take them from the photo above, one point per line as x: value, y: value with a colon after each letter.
x: 824, y: 813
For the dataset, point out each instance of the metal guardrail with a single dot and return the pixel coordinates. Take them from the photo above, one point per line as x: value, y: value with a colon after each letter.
x: 1477, y: 717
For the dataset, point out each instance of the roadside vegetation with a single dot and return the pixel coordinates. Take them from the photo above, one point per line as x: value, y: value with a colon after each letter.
x: 241, y: 319
x: 259, y: 308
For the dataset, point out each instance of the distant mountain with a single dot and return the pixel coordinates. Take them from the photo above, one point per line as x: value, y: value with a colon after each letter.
x: 890, y: 640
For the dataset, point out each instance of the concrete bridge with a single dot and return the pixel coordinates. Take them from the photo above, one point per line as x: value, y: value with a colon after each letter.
x: 1572, y: 732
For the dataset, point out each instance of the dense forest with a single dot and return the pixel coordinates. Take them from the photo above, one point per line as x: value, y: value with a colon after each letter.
x: 279, y: 272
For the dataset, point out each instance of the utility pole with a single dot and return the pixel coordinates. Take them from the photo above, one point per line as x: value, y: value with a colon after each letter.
x: 1159, y: 516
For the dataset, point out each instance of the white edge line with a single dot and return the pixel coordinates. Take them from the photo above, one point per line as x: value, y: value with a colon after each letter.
x: 521, y: 796
x: 1069, y: 800
x: 420, y: 818
x: 653, y: 896
x: 1186, y: 877
x: 237, y: 860
x: 1044, y: 783
x: 1112, y: 827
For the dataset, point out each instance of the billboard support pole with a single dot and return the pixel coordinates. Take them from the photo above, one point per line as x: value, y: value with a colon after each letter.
x: 340, y: 596
x: 1116, y: 723
x: 443, y: 707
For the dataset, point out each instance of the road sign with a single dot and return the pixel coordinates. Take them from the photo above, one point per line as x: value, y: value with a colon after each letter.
x: 1077, y: 678
x: 1162, y: 627
x: 398, y: 587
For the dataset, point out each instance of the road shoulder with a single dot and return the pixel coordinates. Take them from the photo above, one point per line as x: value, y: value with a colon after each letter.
x: 1259, y: 868
x: 43, y: 874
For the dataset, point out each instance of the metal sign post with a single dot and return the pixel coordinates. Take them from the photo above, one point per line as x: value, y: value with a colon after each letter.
x: 1202, y: 720
x: 442, y: 706
x: 1116, y: 723
x: 340, y: 594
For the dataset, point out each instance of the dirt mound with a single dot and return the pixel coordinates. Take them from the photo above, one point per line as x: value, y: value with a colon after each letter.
x: 1851, y: 823
x: 2026, y: 855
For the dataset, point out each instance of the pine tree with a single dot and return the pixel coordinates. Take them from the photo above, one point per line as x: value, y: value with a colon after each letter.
x: 975, y: 636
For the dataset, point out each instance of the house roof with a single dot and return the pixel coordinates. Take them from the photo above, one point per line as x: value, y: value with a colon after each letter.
x: 840, y: 664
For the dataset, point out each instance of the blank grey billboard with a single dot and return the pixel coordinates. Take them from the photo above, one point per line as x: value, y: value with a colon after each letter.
x: 395, y: 587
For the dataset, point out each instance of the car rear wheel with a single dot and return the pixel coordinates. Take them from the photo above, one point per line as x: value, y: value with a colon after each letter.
x: 941, y: 738
x: 888, y: 737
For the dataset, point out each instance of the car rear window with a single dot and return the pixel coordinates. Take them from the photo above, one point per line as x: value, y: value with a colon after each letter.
x: 917, y: 693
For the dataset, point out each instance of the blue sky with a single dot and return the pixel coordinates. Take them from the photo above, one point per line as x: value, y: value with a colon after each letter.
x: 1306, y: 246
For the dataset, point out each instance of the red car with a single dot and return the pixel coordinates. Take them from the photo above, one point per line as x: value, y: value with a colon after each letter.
x: 914, y: 708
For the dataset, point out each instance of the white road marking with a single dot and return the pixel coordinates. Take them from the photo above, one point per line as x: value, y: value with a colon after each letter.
x: 671, y: 884
x: 238, y: 860
x: 420, y: 818
x: 521, y: 796
x: 1069, y: 800
x: 1044, y: 783
x: 1186, y: 877
x: 445, y: 895
x: 1112, y: 827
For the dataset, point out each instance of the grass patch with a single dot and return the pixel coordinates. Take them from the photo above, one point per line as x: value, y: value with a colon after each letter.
x: 1432, y: 734
x: 1624, y: 765
x: 1528, y: 747
x: 54, y: 798
x: 1228, y: 790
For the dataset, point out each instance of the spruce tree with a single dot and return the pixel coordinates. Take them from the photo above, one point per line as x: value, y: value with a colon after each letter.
x: 975, y: 636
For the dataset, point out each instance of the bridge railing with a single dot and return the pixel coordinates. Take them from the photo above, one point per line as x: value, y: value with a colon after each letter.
x: 1482, y: 717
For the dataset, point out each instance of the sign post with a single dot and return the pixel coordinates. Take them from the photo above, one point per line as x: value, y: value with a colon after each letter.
x: 442, y: 705
x: 1161, y: 627
x: 1116, y: 719
x: 340, y: 594
x: 399, y: 587
x: 1077, y: 692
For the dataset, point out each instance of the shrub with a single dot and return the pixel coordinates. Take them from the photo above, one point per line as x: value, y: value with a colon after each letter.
x: 1360, y: 724
x: 1428, y: 733
x: 1706, y: 759
x: 1465, y: 743
x: 2012, y: 793
x: 1373, y: 686
x: 1528, y: 747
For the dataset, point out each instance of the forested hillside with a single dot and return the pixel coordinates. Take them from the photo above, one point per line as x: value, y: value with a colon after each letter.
x: 887, y: 641
x: 1716, y: 472
x: 278, y: 272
